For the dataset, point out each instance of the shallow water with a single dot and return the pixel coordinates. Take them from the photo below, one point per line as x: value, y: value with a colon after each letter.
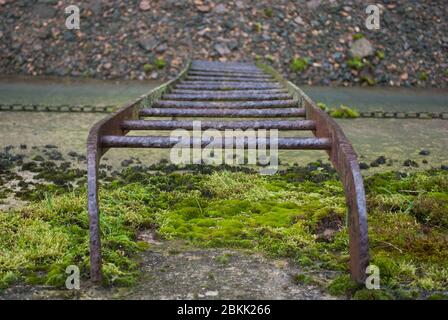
x: 396, y: 139
x: 50, y: 91
x: 381, y: 99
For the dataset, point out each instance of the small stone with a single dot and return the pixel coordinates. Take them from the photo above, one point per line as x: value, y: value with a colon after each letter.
x: 126, y: 163
x: 313, y: 4
x: 144, y: 5
x: 299, y: 20
x: 404, y: 76
x: 361, y: 48
x: 222, y: 49
x: 148, y: 43
x: 211, y: 293
x: 410, y: 163
x: 220, y: 9
x: 363, y: 166
x: 424, y: 153
x: 203, y: 8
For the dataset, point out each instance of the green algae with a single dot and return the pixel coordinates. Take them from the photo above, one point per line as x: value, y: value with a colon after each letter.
x: 299, y: 213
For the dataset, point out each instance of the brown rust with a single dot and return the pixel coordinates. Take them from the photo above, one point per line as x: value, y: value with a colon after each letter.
x: 111, y: 132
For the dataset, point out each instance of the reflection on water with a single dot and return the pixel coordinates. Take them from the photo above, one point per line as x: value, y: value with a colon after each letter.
x: 50, y: 91
x: 396, y: 139
x: 382, y: 99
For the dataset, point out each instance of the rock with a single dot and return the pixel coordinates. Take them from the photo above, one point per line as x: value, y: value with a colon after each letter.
x: 126, y: 163
x: 364, y: 166
x: 380, y: 160
x: 410, y: 163
x: 203, y: 8
x: 211, y: 293
x: 222, y: 49
x: 313, y: 4
x: 361, y: 48
x: 144, y: 5
x: 148, y: 43
x: 44, y: 11
x: 424, y: 153
x: 299, y: 20
x: 444, y: 167
x: 69, y: 36
x: 220, y: 9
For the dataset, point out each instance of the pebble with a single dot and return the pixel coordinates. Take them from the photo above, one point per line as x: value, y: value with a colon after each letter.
x: 321, y: 31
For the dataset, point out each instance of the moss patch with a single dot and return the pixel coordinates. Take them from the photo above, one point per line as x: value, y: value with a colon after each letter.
x: 298, y: 213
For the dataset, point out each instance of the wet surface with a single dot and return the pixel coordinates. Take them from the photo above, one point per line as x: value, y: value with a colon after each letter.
x: 173, y: 271
x: 393, y: 138
x: 61, y: 91
x: 381, y: 99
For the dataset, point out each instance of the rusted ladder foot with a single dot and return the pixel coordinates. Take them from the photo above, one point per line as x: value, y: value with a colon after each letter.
x: 94, y: 214
x: 357, y: 221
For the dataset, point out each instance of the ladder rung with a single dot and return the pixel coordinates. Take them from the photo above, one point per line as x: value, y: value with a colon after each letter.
x: 235, y: 74
x: 228, y: 78
x: 227, y: 96
x: 249, y: 91
x: 225, y: 104
x: 228, y: 70
x: 223, y: 64
x: 248, y: 113
x: 169, y: 142
x: 219, y: 125
x: 227, y: 86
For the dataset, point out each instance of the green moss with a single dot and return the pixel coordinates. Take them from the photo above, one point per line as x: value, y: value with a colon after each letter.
x: 270, y: 58
x: 366, y: 294
x: 344, y: 112
x: 160, y: 63
x: 322, y: 106
x: 303, y: 279
x: 342, y: 286
x: 268, y: 12
x: 258, y: 27
x: 357, y: 36
x: 355, y: 63
x: 284, y: 215
x: 148, y: 67
x: 223, y: 259
x: 423, y: 76
x: 380, y: 54
x: 369, y: 80
x: 438, y: 296
x: 299, y: 64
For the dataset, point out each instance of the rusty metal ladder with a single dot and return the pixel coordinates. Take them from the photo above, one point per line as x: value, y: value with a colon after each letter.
x: 207, y: 89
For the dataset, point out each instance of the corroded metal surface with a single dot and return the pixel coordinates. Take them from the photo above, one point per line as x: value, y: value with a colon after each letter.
x: 169, y: 142
x: 230, y: 90
x: 344, y: 159
x: 226, y: 86
x: 255, y: 113
x: 225, y: 104
x: 226, y: 96
x: 219, y: 125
